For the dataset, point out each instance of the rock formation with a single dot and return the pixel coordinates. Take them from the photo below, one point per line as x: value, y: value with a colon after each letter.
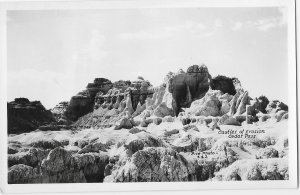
x: 156, y: 165
x: 59, y: 112
x: 275, y: 106
x: 83, y: 102
x: 24, y: 116
x: 189, y: 86
x: 130, y: 131
x: 224, y: 84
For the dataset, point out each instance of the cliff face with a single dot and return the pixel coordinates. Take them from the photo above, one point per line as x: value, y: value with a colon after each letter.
x: 83, y: 102
x: 189, y: 86
x: 24, y: 116
x: 138, y: 91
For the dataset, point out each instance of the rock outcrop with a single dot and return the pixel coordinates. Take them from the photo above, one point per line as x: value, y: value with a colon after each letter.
x: 24, y: 116
x: 189, y: 86
x: 59, y: 110
x: 137, y: 91
x: 263, y: 103
x: 275, y: 106
x: 58, y: 166
x: 155, y: 165
x: 190, y: 128
x: 209, y: 105
x: 122, y: 99
x: 266, y: 169
x: 224, y: 84
x: 83, y: 102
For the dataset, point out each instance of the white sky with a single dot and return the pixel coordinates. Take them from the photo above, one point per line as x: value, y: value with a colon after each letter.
x: 52, y: 55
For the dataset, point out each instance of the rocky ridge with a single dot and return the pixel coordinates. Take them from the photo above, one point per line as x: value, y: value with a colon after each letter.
x: 25, y: 116
x: 182, y: 130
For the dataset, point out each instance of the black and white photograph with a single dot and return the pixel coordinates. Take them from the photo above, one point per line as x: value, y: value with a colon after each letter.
x: 139, y: 93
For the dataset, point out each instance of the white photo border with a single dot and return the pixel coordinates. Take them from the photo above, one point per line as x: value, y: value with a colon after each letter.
x: 118, y: 4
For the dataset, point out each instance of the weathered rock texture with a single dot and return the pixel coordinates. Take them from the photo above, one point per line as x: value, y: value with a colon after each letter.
x: 83, y: 102
x: 156, y: 165
x: 59, y: 110
x: 130, y: 131
x: 24, y: 116
x: 189, y: 86
x: 56, y: 166
x: 123, y: 99
x: 224, y: 84
x: 275, y: 106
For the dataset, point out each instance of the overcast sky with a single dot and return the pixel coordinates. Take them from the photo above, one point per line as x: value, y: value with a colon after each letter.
x: 52, y: 55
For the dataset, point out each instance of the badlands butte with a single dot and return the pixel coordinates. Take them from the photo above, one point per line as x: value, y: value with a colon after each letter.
x: 193, y: 127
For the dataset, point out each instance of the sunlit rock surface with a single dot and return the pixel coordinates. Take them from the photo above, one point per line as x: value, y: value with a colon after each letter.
x: 190, y: 128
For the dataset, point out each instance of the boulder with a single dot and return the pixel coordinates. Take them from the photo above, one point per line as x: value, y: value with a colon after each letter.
x: 285, y: 116
x: 162, y: 110
x: 93, y: 147
x: 268, y: 152
x: 171, y: 132
x: 32, y: 157
x: 135, y: 130
x: 124, y: 123
x: 275, y: 106
x: 228, y: 120
x: 61, y: 167
x: 280, y: 114
x: 264, y: 117
x: 92, y: 165
x: 22, y: 174
x: 168, y: 119
x: 157, y: 120
x: 209, y: 105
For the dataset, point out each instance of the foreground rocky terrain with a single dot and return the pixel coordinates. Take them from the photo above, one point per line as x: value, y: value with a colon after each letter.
x: 193, y: 127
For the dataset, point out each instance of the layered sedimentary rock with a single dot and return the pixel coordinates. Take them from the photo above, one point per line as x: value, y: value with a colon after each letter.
x: 137, y: 91
x: 125, y: 99
x: 24, y: 116
x: 83, y: 102
x: 59, y: 111
x: 131, y: 132
x: 189, y: 86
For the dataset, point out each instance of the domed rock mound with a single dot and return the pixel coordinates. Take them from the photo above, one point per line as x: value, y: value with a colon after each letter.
x: 189, y: 86
x: 224, y: 84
